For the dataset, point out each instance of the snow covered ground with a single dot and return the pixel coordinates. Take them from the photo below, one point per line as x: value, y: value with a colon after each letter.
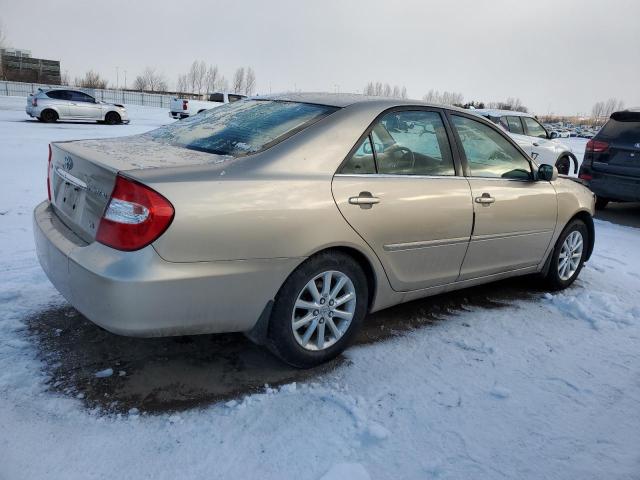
x: 544, y: 388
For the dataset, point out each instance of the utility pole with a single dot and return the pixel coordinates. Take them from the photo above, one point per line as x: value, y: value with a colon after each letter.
x: 117, y: 77
x: 125, y: 79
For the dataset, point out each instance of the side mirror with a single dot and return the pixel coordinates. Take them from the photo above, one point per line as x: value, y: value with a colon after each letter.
x: 547, y: 172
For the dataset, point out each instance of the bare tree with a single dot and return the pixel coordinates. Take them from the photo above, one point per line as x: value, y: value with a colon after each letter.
x: 182, y: 85
x: 250, y: 82
x: 238, y: 80
x: 212, y: 80
x: 443, y: 98
x: 150, y: 81
x: 403, y: 92
x: 64, y: 78
x: 370, y: 89
x: 513, y: 104
x: 596, y: 111
x: 610, y: 106
x: 91, y: 79
x: 379, y: 89
x: 3, y: 37
x: 197, y: 77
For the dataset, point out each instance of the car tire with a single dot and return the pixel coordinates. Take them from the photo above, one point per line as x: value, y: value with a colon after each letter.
x: 565, y: 266
x: 326, y: 325
x: 112, y: 118
x: 601, y: 203
x: 48, y: 116
x: 564, y: 165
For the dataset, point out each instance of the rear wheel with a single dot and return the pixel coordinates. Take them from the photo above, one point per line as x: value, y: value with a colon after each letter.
x: 112, y: 118
x: 601, y: 203
x: 568, y: 256
x: 48, y: 116
x: 318, y: 310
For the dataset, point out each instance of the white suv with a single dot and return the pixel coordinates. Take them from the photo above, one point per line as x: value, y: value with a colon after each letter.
x: 534, y: 139
x: 65, y: 104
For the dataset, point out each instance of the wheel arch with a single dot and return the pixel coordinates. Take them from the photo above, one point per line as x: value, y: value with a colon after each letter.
x: 572, y: 158
x: 586, y: 217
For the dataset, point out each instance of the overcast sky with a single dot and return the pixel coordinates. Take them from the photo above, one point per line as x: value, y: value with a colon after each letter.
x: 556, y: 56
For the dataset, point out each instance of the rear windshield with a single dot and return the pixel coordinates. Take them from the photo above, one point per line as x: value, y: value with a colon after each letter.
x: 241, y: 128
x: 623, y: 127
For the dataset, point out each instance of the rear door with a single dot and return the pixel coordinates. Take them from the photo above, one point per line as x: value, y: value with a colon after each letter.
x: 60, y: 99
x: 515, y: 215
x: 401, y: 190
x: 622, y: 153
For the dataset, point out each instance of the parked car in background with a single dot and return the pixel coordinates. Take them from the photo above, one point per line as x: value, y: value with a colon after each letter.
x: 534, y: 139
x: 185, y: 107
x: 611, y: 165
x: 290, y: 217
x: 67, y: 104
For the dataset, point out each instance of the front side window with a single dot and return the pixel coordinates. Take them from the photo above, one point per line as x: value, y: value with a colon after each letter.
x: 515, y: 126
x: 81, y: 97
x: 241, y: 128
x: 408, y: 142
x: 534, y: 129
x: 488, y: 153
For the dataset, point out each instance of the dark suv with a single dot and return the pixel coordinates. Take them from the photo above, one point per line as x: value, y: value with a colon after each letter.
x: 611, y: 165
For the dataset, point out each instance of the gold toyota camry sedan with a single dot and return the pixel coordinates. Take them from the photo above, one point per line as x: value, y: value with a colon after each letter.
x: 290, y: 217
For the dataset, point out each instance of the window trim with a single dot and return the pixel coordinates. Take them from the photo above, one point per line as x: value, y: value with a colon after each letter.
x: 453, y: 148
x: 463, y: 156
x: 519, y: 117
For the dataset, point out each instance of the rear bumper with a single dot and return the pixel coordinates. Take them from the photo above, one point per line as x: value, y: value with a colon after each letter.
x: 177, y: 115
x: 140, y: 294
x: 615, y: 187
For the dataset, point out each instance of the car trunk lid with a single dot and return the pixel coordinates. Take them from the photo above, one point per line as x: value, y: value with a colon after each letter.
x: 83, y: 174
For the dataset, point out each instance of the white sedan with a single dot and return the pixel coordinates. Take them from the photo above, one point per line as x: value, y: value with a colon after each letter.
x: 534, y: 139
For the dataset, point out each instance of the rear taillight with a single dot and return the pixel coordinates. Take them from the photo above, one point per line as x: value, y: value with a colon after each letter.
x: 135, y: 216
x: 185, y: 104
x: 34, y: 102
x: 596, y: 146
x: 585, y: 176
x: 49, y: 174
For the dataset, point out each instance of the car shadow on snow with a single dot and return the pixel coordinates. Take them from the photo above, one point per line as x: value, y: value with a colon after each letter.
x: 157, y: 375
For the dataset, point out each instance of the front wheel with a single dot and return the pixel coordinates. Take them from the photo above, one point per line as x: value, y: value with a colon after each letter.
x: 112, y: 118
x: 563, y: 165
x: 568, y: 256
x: 318, y: 310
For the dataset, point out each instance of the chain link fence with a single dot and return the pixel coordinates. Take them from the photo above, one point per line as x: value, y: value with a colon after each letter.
x: 20, y: 89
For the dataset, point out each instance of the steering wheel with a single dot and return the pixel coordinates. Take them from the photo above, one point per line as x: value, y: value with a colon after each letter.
x: 405, y: 152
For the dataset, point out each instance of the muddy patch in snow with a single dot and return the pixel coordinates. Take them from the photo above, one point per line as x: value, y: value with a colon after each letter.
x: 119, y: 374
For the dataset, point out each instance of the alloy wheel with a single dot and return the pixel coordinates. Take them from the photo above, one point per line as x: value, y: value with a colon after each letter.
x: 323, y: 310
x: 570, y: 255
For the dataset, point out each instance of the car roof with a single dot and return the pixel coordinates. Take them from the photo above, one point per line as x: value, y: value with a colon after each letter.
x: 499, y: 113
x: 341, y: 100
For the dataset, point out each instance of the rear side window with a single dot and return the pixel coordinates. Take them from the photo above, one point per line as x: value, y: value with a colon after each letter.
x: 488, y: 153
x: 623, y: 127
x: 241, y: 128
x: 216, y: 97
x: 59, y: 95
x: 80, y: 97
x: 235, y: 98
x: 405, y: 142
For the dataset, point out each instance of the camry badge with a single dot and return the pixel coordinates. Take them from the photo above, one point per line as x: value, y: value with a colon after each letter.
x: 68, y: 163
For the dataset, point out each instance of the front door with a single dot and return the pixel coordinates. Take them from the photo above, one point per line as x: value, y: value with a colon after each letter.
x: 84, y: 106
x: 515, y: 215
x: 400, y: 192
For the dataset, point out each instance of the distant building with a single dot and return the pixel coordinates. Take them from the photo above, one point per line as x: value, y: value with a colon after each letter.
x: 19, y: 66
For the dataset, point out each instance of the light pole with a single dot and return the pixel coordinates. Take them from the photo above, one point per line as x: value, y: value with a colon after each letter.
x: 117, y: 77
x: 125, y: 79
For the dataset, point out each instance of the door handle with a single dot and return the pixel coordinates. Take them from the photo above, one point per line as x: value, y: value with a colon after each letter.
x: 535, y: 144
x: 485, y: 199
x: 364, y: 199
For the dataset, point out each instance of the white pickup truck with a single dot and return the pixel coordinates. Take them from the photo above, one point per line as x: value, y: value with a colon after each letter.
x: 184, y: 107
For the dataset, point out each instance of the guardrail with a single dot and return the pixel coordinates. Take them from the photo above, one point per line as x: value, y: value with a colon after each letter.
x: 130, y: 97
